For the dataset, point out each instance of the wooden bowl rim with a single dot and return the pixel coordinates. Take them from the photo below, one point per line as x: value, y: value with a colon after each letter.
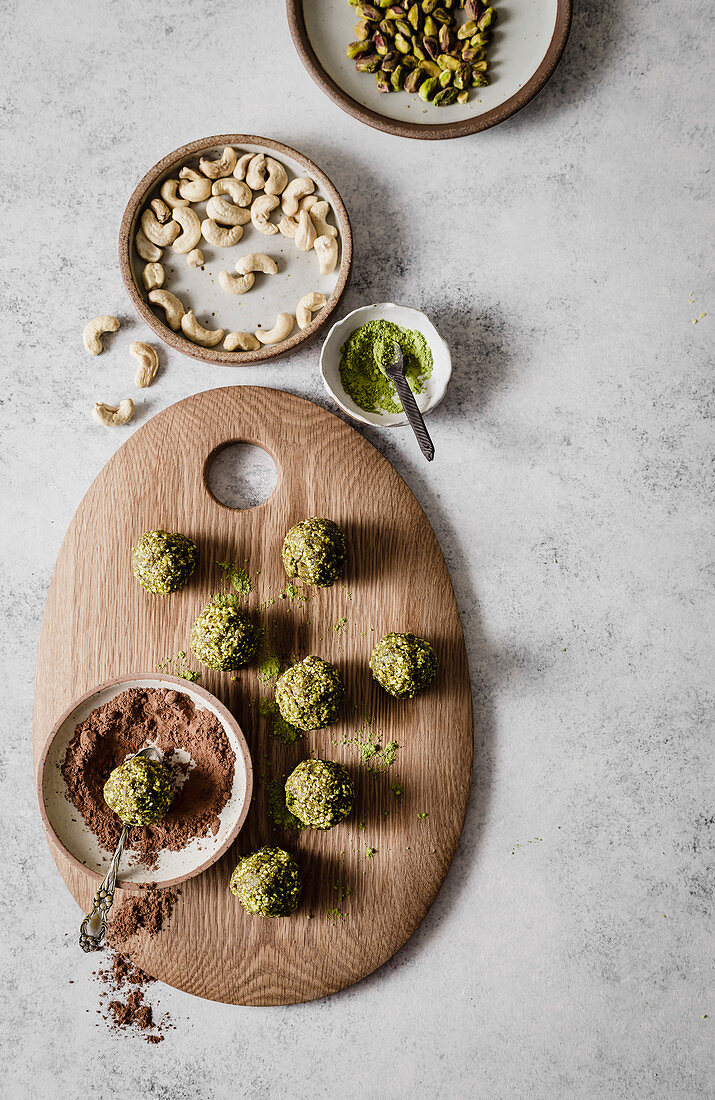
x: 430, y: 131
x: 177, y: 340
x: 226, y: 717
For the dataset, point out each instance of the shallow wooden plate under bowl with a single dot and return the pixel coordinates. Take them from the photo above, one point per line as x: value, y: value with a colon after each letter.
x: 527, y: 46
x: 198, y: 288
x: 73, y: 838
x: 368, y: 882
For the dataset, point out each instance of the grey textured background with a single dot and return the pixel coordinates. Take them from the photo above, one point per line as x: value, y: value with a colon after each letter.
x: 569, y: 952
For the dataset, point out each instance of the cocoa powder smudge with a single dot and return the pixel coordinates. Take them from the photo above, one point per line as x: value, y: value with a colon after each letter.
x: 170, y: 720
x: 146, y: 912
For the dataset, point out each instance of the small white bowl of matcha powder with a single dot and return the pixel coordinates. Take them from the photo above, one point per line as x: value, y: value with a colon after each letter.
x: 358, y: 348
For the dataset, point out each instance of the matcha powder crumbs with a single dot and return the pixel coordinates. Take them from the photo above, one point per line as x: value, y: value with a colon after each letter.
x: 368, y: 351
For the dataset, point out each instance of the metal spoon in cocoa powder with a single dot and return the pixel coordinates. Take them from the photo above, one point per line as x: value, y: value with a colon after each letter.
x: 93, y: 928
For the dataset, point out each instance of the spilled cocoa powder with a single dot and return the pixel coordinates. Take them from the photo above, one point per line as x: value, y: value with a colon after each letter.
x: 148, y: 912
x: 169, y: 720
x: 125, y: 984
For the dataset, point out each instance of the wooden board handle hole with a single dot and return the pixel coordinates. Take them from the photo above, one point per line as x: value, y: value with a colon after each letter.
x: 241, y: 475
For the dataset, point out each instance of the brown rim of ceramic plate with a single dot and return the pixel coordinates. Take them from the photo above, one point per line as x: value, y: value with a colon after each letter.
x: 225, y: 715
x: 428, y: 132
x: 177, y: 339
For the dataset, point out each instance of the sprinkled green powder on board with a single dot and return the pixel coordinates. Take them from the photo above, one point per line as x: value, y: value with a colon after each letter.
x: 397, y: 789
x: 334, y: 915
x: 237, y: 575
x: 368, y: 351
x: 370, y: 852
x: 178, y: 666
x: 277, y: 809
x: 292, y: 592
x: 340, y: 625
x: 422, y: 816
x: 281, y: 729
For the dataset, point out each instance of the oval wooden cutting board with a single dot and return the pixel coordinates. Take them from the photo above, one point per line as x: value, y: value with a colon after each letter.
x: 99, y: 623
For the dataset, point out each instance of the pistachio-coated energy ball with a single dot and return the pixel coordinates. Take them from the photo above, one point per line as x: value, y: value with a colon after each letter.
x: 310, y: 693
x: 223, y: 637
x: 140, y: 791
x: 163, y: 561
x: 320, y: 793
x: 267, y: 883
x: 314, y: 551
x: 403, y: 664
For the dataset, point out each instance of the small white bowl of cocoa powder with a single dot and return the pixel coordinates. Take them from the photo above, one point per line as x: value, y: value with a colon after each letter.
x: 201, y: 742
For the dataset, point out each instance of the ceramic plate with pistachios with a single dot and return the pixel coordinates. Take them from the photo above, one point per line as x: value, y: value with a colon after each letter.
x: 430, y: 68
x: 235, y: 249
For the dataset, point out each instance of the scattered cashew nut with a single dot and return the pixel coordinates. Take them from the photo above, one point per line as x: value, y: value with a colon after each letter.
x: 145, y: 248
x: 276, y: 179
x: 168, y: 192
x: 235, y: 284
x: 208, y: 338
x: 161, y: 209
x: 195, y: 258
x: 305, y: 233
x: 307, y: 306
x: 238, y: 192
x: 153, y: 276
x: 194, y: 186
x: 225, y: 213
x: 326, y: 249
x: 158, y: 234
x: 113, y: 416
x: 261, y: 208
x: 222, y: 238
x: 190, y: 225
x: 319, y: 213
x: 256, y: 261
x: 256, y: 172
x: 281, y: 329
x: 242, y: 164
x: 288, y: 226
x: 241, y: 341
x: 148, y: 363
x: 92, y: 333
x: 294, y: 192
x: 173, y: 307
x: 224, y: 166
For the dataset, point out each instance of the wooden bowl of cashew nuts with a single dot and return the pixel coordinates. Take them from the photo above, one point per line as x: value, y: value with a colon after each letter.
x: 235, y: 249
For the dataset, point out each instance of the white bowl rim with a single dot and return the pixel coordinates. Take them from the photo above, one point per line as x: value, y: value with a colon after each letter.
x: 374, y: 419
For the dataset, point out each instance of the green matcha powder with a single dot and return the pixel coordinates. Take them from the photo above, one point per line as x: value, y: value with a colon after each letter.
x: 368, y: 351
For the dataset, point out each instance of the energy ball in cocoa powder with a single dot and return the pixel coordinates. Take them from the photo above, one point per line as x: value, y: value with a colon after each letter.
x: 320, y: 793
x: 163, y: 561
x: 223, y: 637
x: 267, y: 883
x: 403, y: 664
x: 309, y: 694
x: 314, y: 551
x: 140, y: 791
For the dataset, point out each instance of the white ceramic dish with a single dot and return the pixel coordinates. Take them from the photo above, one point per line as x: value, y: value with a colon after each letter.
x: 66, y: 826
x: 437, y: 383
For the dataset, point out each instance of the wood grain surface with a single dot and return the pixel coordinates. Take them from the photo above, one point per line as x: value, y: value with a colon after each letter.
x: 100, y: 623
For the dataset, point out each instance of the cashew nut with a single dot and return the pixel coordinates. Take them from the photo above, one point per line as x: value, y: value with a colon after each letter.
x: 168, y: 193
x: 277, y: 178
x: 173, y: 307
x: 256, y: 172
x: 222, y: 238
x: 256, y: 261
x: 153, y: 276
x: 288, y: 226
x: 326, y: 249
x: 225, y: 213
x: 190, y: 224
x: 242, y: 164
x: 307, y: 306
x: 305, y: 233
x: 194, y: 186
x: 239, y: 192
x: 235, y: 284
x: 161, y: 210
x: 308, y: 202
x: 158, y: 234
x: 319, y: 213
x: 195, y: 258
x: 261, y: 208
x: 91, y: 336
x: 224, y: 166
x: 207, y: 337
x: 145, y: 248
x: 281, y: 329
x: 242, y: 341
x: 113, y: 416
x: 294, y: 193
x: 148, y: 363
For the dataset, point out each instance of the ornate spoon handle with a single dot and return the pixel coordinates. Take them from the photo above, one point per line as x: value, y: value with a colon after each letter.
x: 93, y: 928
x: 414, y: 415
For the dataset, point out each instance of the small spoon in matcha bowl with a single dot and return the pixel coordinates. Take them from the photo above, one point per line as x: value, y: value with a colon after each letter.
x: 139, y: 794
x: 396, y: 372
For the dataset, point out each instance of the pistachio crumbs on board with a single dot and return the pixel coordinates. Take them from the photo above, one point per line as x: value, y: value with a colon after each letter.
x: 238, y: 576
x: 366, y: 354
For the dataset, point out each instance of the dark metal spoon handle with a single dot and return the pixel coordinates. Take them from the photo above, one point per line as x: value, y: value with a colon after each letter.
x: 413, y: 414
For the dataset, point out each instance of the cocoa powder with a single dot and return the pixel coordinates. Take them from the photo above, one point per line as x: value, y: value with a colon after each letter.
x: 146, y: 912
x: 125, y: 984
x: 169, y: 720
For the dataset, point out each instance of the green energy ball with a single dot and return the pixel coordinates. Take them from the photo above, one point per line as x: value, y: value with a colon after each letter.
x: 223, y: 637
x: 403, y: 664
x: 309, y: 694
x: 314, y: 551
x: 163, y: 561
x: 140, y: 791
x: 267, y: 883
x: 320, y: 793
